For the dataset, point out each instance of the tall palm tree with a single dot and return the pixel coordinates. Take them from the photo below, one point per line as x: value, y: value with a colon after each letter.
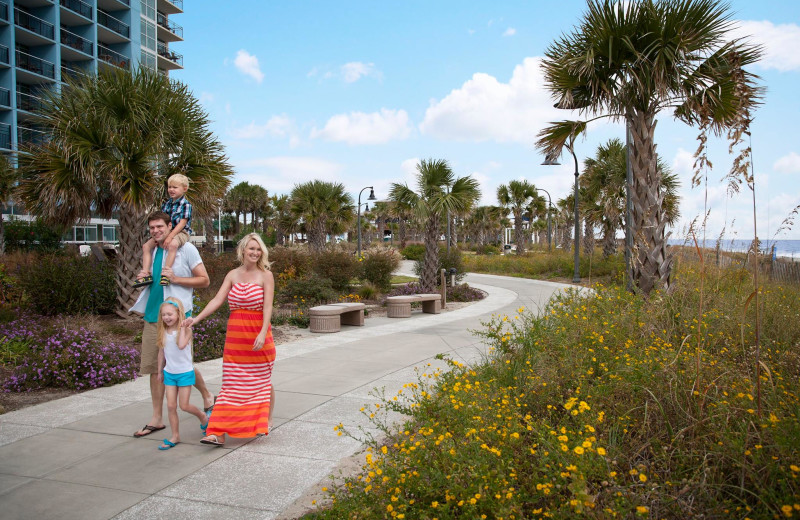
x: 325, y: 207
x: 536, y: 210
x: 9, y: 176
x: 403, y: 212
x: 516, y: 195
x: 283, y: 219
x: 114, y: 139
x: 438, y: 192
x: 631, y: 60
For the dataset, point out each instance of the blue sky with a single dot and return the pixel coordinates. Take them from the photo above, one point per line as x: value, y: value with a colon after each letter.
x: 357, y: 92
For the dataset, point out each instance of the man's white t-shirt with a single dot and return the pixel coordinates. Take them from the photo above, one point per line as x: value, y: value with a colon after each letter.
x: 187, y: 258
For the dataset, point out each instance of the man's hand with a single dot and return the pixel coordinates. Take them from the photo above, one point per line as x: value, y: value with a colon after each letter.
x: 167, y: 271
x: 160, y: 376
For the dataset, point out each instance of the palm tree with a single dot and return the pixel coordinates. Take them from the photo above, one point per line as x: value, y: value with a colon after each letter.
x: 403, y: 212
x: 283, y: 220
x: 439, y: 192
x: 516, y: 195
x: 114, y: 139
x: 631, y: 60
x: 9, y: 176
x: 325, y: 207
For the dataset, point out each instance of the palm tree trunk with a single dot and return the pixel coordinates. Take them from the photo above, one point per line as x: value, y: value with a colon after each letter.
x: 609, y: 240
x: 651, y: 261
x: 316, y: 235
x: 208, y: 227
x: 431, y: 260
x: 518, y: 238
x: 588, y: 238
x: 403, y: 233
x: 131, y: 237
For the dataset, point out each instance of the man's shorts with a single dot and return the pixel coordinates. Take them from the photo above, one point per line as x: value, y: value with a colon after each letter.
x: 181, y: 238
x: 149, y: 362
x: 185, y: 379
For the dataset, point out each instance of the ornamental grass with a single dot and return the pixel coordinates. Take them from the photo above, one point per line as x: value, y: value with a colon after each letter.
x: 606, y: 406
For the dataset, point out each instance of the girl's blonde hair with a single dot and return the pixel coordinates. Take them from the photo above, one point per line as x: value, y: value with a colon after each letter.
x: 263, y: 262
x: 161, y: 329
x: 179, y: 178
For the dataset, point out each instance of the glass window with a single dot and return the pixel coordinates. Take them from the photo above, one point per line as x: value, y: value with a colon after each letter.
x: 147, y: 60
x: 78, y: 234
x: 149, y: 9
x: 91, y: 234
x: 148, y: 30
x: 109, y: 234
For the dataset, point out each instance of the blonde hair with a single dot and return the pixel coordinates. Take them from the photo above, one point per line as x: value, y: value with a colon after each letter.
x: 180, y: 178
x: 263, y: 262
x: 161, y: 329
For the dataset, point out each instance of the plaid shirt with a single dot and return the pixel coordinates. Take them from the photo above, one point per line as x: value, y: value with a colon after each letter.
x: 178, y: 210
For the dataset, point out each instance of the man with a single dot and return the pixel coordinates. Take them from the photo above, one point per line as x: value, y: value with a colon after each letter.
x: 186, y: 274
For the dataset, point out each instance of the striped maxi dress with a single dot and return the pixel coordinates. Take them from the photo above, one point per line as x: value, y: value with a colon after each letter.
x: 242, y: 406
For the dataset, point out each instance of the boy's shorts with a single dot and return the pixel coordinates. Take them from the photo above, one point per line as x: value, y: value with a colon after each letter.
x: 181, y: 238
x: 185, y: 379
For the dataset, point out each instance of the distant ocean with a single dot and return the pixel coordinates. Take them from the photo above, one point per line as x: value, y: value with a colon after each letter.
x: 783, y: 248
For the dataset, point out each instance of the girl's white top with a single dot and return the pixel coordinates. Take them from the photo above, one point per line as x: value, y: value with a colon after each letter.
x: 178, y: 360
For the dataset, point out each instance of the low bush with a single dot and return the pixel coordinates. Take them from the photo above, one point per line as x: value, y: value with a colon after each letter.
x: 413, y: 252
x: 21, y: 235
x: 338, y: 266
x: 311, y: 290
x: 217, y: 267
x: 406, y: 289
x: 208, y: 336
x: 367, y: 291
x: 464, y: 293
x: 66, y: 284
x: 63, y: 358
x: 377, y: 266
x: 549, y: 265
x: 488, y: 249
x: 285, y: 258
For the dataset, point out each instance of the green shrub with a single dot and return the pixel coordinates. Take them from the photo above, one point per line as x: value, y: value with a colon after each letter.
x: 338, y: 266
x: 446, y: 261
x: 246, y: 230
x: 308, y: 291
x: 217, y: 267
x: 464, y: 293
x: 285, y: 258
x: 367, y: 291
x: 377, y: 267
x: 488, y: 249
x: 64, y: 284
x: 21, y: 235
x: 413, y: 252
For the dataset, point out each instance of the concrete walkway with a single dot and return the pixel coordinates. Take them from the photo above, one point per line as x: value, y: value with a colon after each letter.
x: 76, y: 457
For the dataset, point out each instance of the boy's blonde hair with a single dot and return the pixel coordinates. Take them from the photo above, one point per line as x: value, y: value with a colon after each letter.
x: 180, y: 178
x: 263, y: 262
x: 161, y: 329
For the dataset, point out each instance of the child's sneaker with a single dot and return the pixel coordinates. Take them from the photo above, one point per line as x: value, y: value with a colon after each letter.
x: 141, y: 282
x: 164, y: 280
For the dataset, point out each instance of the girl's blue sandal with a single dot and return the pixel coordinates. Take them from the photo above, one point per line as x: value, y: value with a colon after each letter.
x: 167, y: 445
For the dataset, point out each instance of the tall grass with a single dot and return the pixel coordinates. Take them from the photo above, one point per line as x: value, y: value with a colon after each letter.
x: 548, y: 265
x: 594, y: 410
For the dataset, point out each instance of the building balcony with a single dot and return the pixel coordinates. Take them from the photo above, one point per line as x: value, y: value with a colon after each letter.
x: 69, y: 70
x: 30, y: 63
x: 29, y: 102
x: 35, y: 25
x: 5, y: 136
x: 167, y: 59
x: 4, y: 13
x: 117, y: 27
x: 113, y: 5
x: 170, y: 6
x: 27, y: 136
x: 75, y: 7
x: 5, y: 98
x: 168, y: 31
x: 76, y: 42
x: 4, y: 56
x: 113, y: 57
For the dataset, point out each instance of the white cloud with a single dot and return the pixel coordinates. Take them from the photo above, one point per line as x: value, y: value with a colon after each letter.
x: 485, y: 109
x: 361, y: 128
x: 780, y: 43
x: 280, y: 174
x: 206, y: 97
x: 248, y: 65
x: 788, y: 164
x: 276, y: 126
x: 355, y: 70
x: 510, y: 32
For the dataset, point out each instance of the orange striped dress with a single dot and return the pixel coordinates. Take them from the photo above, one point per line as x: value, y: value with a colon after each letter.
x: 242, y: 406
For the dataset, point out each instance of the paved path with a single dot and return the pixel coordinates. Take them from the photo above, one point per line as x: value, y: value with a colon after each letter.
x: 75, y: 457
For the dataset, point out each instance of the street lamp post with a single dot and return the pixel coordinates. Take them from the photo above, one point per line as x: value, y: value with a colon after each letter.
x: 371, y: 197
x: 549, y: 210
x: 576, y: 277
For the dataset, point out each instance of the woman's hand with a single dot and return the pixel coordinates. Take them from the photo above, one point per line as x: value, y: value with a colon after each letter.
x: 258, y: 344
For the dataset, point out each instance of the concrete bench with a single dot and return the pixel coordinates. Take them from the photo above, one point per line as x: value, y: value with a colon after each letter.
x: 400, y: 306
x: 330, y: 318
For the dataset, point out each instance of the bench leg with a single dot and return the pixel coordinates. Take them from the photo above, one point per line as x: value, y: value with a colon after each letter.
x: 398, y: 310
x: 324, y: 324
x: 353, y: 318
x: 432, y: 306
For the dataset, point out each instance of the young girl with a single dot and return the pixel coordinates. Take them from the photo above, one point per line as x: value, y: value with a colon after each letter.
x: 175, y: 367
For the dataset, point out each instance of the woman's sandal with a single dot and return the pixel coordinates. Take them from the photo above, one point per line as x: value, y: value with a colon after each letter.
x: 214, y: 442
x: 141, y: 282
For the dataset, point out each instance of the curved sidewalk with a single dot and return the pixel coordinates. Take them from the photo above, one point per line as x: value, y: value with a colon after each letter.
x: 75, y: 457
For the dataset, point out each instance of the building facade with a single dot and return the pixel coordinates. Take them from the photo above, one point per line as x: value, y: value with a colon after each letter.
x: 45, y: 42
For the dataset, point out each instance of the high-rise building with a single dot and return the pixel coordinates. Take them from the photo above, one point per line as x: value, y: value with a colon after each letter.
x: 44, y: 42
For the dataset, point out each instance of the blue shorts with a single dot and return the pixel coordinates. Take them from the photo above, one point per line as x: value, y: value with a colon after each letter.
x: 185, y: 379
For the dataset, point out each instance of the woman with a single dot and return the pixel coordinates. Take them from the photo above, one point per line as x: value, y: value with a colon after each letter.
x: 244, y: 405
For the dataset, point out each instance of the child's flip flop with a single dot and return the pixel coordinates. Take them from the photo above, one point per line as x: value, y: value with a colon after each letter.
x: 141, y: 282
x: 168, y: 445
